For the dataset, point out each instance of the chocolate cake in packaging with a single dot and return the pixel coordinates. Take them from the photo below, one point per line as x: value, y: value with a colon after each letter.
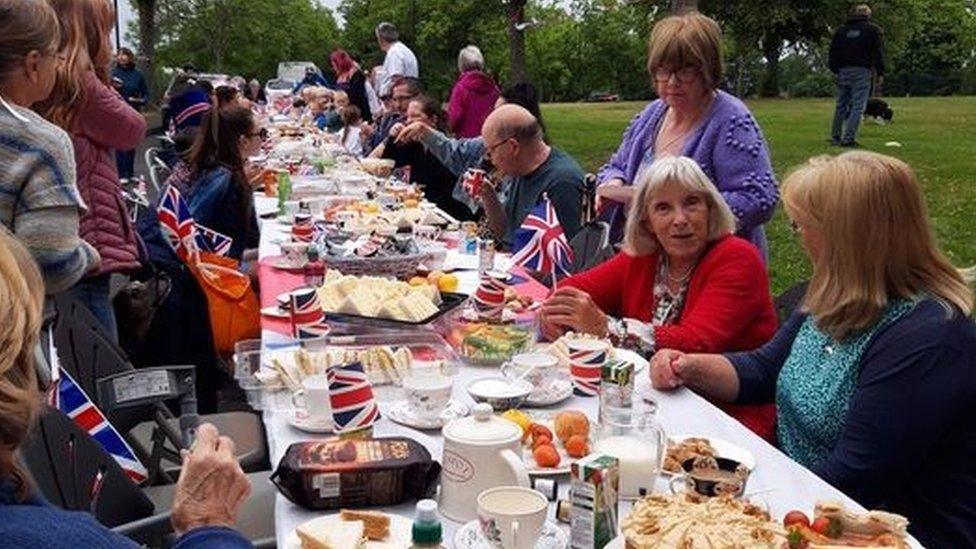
x: 333, y: 474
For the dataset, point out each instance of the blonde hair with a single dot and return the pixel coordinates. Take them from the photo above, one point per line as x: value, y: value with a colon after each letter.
x: 86, y: 27
x: 878, y: 244
x: 690, y: 39
x: 21, y: 304
x: 25, y: 26
x: 639, y: 239
x: 339, y: 94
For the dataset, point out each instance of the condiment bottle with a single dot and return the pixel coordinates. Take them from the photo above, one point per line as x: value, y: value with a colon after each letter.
x: 427, y: 531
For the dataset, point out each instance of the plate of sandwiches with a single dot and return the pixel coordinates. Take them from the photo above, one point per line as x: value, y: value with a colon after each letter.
x: 352, y: 530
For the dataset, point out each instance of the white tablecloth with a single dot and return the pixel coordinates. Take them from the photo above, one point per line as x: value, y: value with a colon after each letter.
x: 777, y: 480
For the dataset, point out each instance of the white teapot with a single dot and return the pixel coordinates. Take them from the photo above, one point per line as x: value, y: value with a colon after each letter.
x: 480, y: 452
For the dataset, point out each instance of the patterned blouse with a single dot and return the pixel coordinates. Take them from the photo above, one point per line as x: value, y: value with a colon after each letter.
x: 816, y: 384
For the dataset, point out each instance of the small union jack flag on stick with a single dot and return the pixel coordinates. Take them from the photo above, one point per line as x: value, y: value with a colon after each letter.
x: 540, y: 243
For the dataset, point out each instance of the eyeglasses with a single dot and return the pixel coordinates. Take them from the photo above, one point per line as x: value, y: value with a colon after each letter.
x: 684, y: 75
x: 403, y: 97
x: 491, y: 149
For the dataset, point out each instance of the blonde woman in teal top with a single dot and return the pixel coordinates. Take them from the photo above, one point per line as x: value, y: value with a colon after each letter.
x: 874, y: 378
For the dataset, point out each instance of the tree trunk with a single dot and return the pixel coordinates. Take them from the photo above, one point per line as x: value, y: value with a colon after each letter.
x: 683, y: 6
x: 771, y: 47
x: 146, y: 60
x: 516, y: 41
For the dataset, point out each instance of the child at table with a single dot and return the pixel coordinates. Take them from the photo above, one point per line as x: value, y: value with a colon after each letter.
x: 350, y: 135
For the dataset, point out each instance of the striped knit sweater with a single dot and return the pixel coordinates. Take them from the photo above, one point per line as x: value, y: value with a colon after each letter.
x: 39, y: 202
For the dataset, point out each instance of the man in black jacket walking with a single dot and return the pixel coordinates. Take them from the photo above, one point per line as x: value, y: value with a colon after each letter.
x: 856, y: 50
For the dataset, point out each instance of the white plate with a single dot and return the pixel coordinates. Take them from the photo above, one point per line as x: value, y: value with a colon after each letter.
x: 469, y: 537
x: 561, y: 390
x: 616, y: 543
x: 284, y: 266
x: 274, y: 312
x: 565, y: 462
x: 402, y: 413
x: 723, y: 449
x: 300, y: 420
x: 400, y: 534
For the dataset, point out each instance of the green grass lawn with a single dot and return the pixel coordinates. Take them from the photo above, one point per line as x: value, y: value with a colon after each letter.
x: 937, y: 134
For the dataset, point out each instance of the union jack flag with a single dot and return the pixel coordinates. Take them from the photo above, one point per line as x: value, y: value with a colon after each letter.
x: 540, y: 243
x: 71, y: 399
x: 307, y: 316
x: 351, y: 397
x: 177, y: 223
x: 209, y: 240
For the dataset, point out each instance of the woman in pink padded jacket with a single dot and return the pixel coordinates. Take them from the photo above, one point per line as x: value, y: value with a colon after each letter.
x: 100, y: 122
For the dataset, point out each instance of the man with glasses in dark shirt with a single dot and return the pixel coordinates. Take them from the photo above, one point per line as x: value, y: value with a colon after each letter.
x: 404, y: 90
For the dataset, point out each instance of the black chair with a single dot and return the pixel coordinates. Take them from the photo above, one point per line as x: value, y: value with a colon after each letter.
x: 787, y: 302
x: 591, y: 246
x: 149, y: 426
x: 73, y: 472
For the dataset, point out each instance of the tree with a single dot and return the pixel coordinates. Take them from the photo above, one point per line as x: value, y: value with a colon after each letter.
x: 246, y: 37
x: 515, y: 17
x: 146, y: 10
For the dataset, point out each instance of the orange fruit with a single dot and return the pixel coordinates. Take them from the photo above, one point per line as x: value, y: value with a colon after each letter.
x: 448, y: 283
x: 546, y: 456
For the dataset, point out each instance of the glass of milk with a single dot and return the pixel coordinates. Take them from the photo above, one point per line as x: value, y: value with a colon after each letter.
x: 633, y: 436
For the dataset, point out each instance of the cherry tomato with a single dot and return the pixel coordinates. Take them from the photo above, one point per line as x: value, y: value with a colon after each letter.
x: 821, y: 526
x: 796, y: 517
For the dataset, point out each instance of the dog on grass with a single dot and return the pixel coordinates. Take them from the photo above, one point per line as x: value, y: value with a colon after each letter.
x: 879, y: 111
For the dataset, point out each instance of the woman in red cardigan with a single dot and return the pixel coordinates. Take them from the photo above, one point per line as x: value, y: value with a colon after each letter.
x: 682, y: 282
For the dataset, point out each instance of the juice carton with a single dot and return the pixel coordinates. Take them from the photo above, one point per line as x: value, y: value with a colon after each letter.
x: 593, y: 493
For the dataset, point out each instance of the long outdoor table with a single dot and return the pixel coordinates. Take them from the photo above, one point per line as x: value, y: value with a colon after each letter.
x: 777, y: 480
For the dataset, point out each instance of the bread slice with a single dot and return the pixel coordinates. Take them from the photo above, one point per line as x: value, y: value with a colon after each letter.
x: 333, y: 534
x: 375, y: 525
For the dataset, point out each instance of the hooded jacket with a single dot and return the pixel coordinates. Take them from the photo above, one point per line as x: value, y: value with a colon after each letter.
x: 858, y: 43
x: 472, y: 99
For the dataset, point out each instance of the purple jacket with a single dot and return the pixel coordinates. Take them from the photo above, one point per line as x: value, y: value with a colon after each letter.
x: 472, y: 99
x: 730, y: 149
x: 106, y: 123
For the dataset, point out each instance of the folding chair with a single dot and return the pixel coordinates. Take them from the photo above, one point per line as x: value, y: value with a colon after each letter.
x: 591, y: 245
x: 73, y: 472
x: 787, y: 302
x: 158, y: 170
x: 86, y: 351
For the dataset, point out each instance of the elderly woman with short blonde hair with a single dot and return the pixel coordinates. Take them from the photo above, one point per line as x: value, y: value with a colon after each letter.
x: 683, y: 281
x: 873, y: 378
x: 692, y: 117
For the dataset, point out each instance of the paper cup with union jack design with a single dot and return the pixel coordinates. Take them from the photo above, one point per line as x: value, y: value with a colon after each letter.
x: 302, y: 228
x: 306, y: 315
x: 586, y: 358
x: 489, y: 298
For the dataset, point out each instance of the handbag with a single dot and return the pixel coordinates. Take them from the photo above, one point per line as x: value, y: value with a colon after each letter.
x: 235, y: 312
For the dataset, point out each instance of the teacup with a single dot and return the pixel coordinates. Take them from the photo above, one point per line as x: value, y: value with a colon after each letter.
x: 295, y: 254
x: 539, y: 369
x: 586, y: 358
x: 712, y: 476
x: 313, y: 398
x: 428, y: 393
x: 512, y: 517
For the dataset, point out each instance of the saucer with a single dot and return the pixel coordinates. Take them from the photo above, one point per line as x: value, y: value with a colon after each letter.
x: 402, y: 413
x: 283, y: 265
x: 560, y: 390
x: 274, y: 311
x: 300, y: 420
x: 469, y: 537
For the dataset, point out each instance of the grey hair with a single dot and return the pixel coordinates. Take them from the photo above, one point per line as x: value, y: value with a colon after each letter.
x: 387, y: 32
x: 681, y: 170
x: 862, y: 10
x: 471, y: 59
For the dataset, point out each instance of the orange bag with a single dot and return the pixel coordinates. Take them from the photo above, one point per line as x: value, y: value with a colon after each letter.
x: 235, y: 312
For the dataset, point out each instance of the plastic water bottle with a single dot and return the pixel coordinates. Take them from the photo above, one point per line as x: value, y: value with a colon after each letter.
x: 427, y: 532
x: 284, y: 191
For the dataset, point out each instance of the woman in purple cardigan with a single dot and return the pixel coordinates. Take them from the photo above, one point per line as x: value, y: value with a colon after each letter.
x: 693, y: 118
